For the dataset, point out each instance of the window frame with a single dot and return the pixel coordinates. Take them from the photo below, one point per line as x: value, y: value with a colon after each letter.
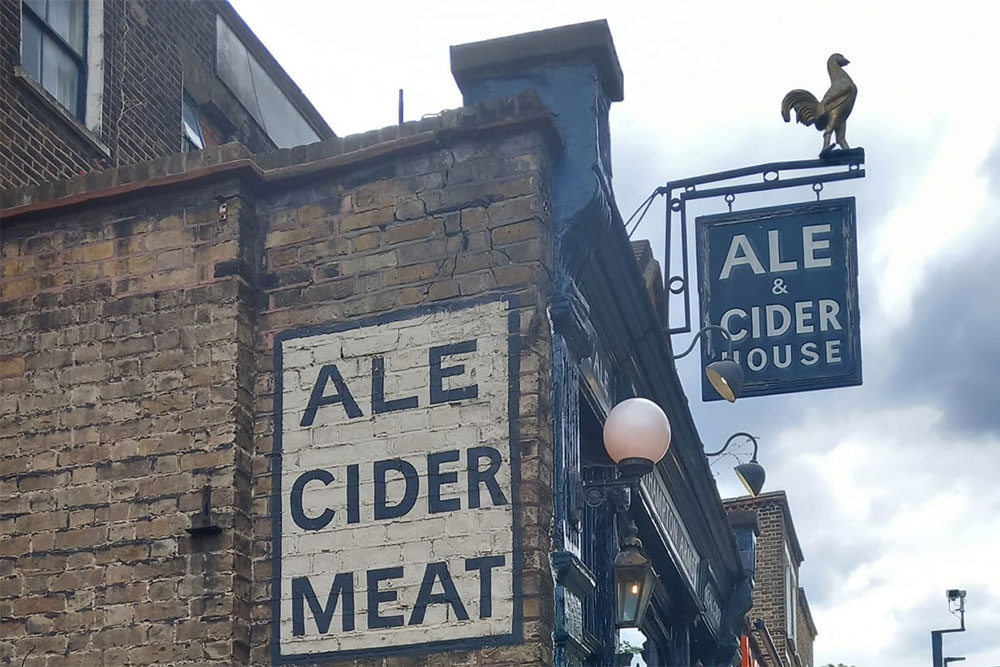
x: 791, y: 597
x: 79, y: 59
x: 188, y: 145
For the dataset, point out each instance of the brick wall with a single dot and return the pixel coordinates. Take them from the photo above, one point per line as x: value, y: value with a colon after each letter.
x: 37, y: 146
x: 769, y: 602
x: 148, y: 45
x: 120, y: 386
x: 136, y: 355
x: 806, y: 631
x: 455, y: 222
x: 769, y: 584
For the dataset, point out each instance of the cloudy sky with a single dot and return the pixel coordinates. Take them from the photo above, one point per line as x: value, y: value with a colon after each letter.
x: 893, y: 485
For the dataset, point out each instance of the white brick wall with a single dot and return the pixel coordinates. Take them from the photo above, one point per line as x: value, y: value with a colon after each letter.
x: 334, y: 441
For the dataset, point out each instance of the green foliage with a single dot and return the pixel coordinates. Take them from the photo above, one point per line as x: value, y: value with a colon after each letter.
x: 629, y: 647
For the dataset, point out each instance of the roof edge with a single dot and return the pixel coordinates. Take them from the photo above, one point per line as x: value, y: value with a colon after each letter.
x: 778, y: 497
x: 524, y: 111
x: 590, y: 41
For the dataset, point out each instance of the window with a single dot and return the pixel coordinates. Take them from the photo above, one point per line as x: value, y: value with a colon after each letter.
x: 258, y: 92
x: 53, y: 49
x: 194, y: 140
x: 791, y: 597
x: 746, y: 542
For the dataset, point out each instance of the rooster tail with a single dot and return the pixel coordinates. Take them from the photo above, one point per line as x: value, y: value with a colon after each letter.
x: 805, y: 104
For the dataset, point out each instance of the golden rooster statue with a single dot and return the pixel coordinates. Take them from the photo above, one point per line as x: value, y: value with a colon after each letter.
x: 829, y: 115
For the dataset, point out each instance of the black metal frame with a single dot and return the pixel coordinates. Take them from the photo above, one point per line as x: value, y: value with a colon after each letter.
x: 705, y: 329
x: 618, y: 492
x: 740, y: 434
x: 937, y: 636
x: 770, y: 174
x: 593, y: 493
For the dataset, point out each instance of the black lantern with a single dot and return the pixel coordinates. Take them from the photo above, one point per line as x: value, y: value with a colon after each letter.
x: 634, y: 581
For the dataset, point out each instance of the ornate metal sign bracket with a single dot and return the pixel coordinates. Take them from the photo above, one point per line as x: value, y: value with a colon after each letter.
x: 840, y: 165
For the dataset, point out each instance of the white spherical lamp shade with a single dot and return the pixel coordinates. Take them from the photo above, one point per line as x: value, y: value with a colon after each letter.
x: 636, y: 428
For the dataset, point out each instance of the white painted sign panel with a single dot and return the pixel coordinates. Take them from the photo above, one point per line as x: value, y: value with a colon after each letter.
x: 396, y: 483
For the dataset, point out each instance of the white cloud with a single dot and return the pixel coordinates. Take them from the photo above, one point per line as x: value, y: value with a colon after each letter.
x: 945, y: 204
x: 920, y: 499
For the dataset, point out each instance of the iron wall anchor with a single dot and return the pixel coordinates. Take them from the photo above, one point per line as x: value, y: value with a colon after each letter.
x: 203, y: 523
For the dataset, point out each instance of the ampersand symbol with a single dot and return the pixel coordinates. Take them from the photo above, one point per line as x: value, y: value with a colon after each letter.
x: 779, y: 286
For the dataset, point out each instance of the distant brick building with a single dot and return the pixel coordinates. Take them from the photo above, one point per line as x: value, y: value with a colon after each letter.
x: 332, y: 403
x: 779, y: 625
x: 91, y: 84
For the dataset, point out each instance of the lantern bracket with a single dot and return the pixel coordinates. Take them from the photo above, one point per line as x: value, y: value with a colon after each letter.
x: 594, y: 493
x: 618, y: 493
x: 838, y: 165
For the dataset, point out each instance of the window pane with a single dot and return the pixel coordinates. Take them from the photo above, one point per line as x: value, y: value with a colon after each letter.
x: 192, y: 126
x: 66, y: 18
x: 38, y: 6
x: 60, y: 74
x: 31, y: 48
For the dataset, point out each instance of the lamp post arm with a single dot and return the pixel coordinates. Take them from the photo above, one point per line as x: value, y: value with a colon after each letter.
x: 740, y: 434
x: 706, y: 329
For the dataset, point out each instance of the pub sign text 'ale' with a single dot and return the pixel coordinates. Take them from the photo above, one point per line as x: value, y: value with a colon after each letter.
x: 397, y: 483
x: 783, y: 281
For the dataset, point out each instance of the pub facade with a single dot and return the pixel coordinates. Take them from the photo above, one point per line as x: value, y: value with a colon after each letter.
x: 338, y: 403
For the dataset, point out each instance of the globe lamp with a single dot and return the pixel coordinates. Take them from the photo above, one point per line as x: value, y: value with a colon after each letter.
x: 636, y: 436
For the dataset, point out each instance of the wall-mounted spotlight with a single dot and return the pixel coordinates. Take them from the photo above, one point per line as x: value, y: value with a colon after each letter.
x: 726, y: 375
x: 750, y: 474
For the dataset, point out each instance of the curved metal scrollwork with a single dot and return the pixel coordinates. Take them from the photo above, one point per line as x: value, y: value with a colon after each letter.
x: 678, y: 284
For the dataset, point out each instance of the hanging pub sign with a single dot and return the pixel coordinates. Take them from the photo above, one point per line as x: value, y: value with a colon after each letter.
x: 396, y: 483
x: 783, y: 281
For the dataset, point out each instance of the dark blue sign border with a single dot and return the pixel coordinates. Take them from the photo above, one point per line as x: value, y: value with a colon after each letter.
x: 714, y: 346
x: 515, y: 636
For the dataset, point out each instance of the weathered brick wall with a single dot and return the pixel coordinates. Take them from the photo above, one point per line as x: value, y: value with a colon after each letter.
x: 120, y: 355
x: 136, y: 355
x: 143, y: 76
x: 462, y: 220
x: 769, y: 584
x: 143, y: 83
x: 804, y: 640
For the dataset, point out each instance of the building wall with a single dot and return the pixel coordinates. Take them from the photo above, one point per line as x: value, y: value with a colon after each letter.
x: 120, y: 361
x: 806, y: 633
x: 452, y: 223
x: 153, y: 49
x: 769, y: 585
x: 769, y: 600
x: 38, y: 144
x: 143, y: 74
x: 136, y: 362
